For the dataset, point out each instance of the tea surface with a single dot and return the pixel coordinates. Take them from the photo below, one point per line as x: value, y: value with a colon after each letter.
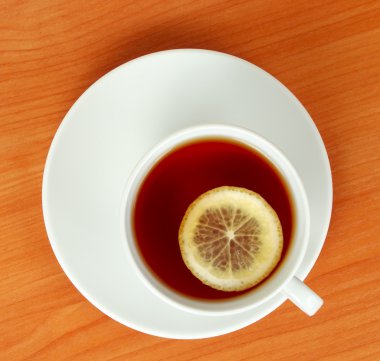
x: 179, y: 178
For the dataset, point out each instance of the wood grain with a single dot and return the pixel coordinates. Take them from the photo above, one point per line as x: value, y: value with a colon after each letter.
x: 326, y: 52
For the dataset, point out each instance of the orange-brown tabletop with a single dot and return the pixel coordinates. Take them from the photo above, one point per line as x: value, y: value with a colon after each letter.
x: 325, y: 52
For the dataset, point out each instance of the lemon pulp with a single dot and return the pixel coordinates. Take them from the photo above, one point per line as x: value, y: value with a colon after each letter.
x: 230, y: 238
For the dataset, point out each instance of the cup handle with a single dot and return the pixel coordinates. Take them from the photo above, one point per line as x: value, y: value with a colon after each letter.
x: 302, y: 296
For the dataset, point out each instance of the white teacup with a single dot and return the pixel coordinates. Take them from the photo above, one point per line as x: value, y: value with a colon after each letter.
x: 283, y: 280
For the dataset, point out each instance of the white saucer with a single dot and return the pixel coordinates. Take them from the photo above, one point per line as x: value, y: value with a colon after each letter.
x: 114, y: 123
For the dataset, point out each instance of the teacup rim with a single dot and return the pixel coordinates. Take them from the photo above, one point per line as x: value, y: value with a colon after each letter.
x: 217, y: 307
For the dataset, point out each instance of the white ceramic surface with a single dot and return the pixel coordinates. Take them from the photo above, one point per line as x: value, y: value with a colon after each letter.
x: 294, y: 256
x: 114, y: 123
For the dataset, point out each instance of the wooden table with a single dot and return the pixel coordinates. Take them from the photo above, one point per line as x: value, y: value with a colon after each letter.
x: 326, y: 52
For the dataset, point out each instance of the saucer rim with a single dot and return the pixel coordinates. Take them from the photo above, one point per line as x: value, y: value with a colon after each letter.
x: 278, y: 299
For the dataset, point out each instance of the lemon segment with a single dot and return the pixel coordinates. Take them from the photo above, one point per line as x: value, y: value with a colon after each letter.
x: 230, y: 238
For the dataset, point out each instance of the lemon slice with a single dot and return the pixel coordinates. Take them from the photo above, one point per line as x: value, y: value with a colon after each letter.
x: 230, y: 238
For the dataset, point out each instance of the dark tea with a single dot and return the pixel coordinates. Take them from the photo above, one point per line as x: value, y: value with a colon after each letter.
x: 176, y: 181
